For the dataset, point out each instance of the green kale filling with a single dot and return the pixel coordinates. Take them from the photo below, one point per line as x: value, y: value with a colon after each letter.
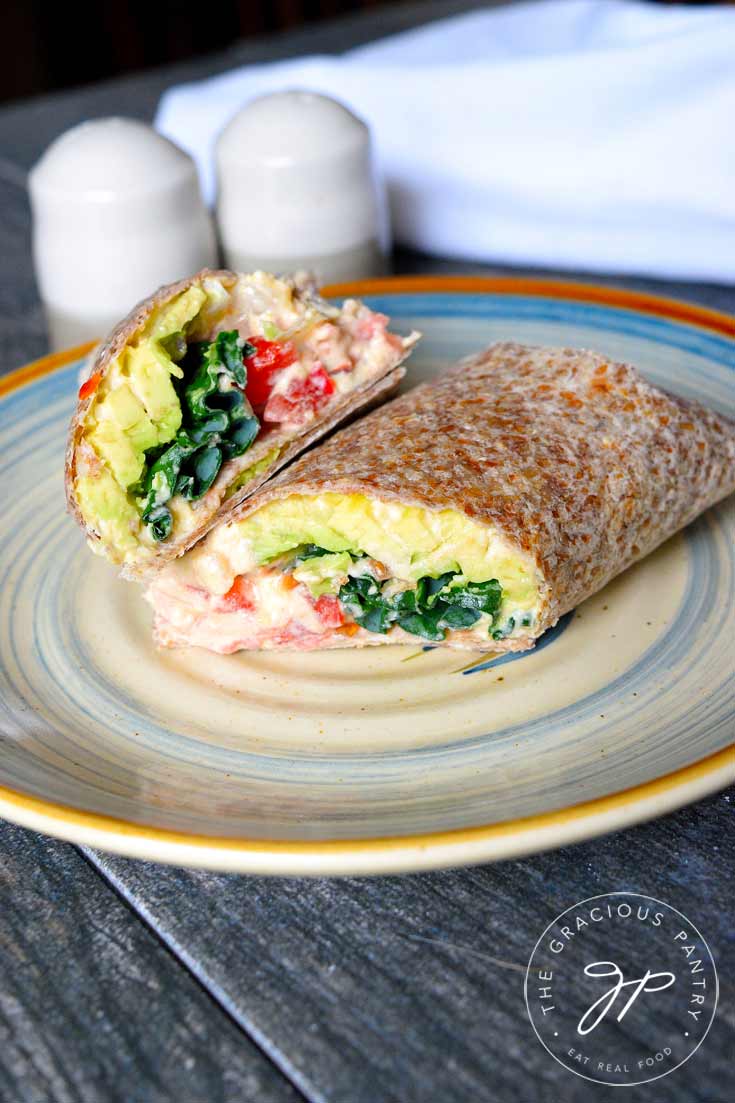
x: 217, y: 426
x: 501, y: 633
x: 310, y: 551
x: 437, y: 604
x: 434, y: 606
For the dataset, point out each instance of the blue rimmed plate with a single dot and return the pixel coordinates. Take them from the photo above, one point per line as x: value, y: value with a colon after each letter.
x: 388, y: 758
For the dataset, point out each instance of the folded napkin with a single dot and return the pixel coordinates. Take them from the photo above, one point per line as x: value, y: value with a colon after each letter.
x: 596, y: 134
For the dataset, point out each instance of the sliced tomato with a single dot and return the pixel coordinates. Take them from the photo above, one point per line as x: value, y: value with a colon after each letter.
x: 301, y: 399
x: 239, y: 596
x: 90, y: 385
x: 269, y: 358
x: 329, y: 611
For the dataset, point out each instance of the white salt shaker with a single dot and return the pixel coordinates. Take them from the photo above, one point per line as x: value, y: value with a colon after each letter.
x: 296, y: 189
x: 117, y: 211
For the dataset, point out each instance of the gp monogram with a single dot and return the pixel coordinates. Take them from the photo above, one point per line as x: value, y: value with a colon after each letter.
x: 646, y: 983
x: 621, y: 988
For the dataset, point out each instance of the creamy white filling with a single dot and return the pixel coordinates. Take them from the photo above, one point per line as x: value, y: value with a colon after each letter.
x: 268, y: 610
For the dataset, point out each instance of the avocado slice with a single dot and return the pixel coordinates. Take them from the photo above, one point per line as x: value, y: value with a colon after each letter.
x: 321, y: 573
x: 150, y: 380
x: 149, y: 366
x: 252, y: 472
x: 412, y: 542
x: 114, y: 446
x: 123, y: 408
x: 116, y: 518
x: 136, y: 409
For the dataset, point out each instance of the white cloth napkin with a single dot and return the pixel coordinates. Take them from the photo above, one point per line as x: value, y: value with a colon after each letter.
x: 596, y: 134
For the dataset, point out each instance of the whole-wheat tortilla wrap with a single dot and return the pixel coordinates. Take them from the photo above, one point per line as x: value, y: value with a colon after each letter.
x: 562, y: 467
x: 258, y: 305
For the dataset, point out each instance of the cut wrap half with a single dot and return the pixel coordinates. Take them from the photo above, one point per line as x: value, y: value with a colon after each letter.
x: 201, y: 393
x: 473, y: 512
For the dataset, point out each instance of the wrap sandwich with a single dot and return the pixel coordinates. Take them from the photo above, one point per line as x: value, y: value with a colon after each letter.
x: 473, y: 511
x: 201, y: 393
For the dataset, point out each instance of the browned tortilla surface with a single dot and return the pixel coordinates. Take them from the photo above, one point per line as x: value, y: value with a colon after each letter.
x: 575, y: 458
x: 365, y: 396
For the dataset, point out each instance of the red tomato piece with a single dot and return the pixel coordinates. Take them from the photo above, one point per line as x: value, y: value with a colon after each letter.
x: 239, y: 596
x: 90, y: 385
x: 329, y: 611
x: 302, y: 397
x: 269, y: 358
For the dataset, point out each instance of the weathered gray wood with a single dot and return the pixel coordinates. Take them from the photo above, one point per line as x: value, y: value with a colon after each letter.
x: 377, y: 990
x: 412, y: 988
x: 93, y: 1009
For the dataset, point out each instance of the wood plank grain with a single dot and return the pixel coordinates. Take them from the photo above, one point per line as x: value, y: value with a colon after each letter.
x: 93, y: 1009
x: 411, y: 988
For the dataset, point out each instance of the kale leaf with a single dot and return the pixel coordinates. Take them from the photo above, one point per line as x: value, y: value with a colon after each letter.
x: 428, y: 611
x: 310, y: 551
x: 217, y: 425
x: 481, y: 597
x: 501, y: 633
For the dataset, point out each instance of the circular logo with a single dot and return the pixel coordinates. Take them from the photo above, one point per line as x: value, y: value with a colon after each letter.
x: 621, y: 988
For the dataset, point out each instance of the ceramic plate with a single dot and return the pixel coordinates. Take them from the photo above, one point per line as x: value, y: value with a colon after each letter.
x: 389, y: 758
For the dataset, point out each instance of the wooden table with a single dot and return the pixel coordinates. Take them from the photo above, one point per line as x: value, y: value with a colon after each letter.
x: 121, y: 981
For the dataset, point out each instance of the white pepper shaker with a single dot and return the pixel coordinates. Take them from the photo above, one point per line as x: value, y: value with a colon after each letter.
x: 296, y: 189
x: 117, y: 211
